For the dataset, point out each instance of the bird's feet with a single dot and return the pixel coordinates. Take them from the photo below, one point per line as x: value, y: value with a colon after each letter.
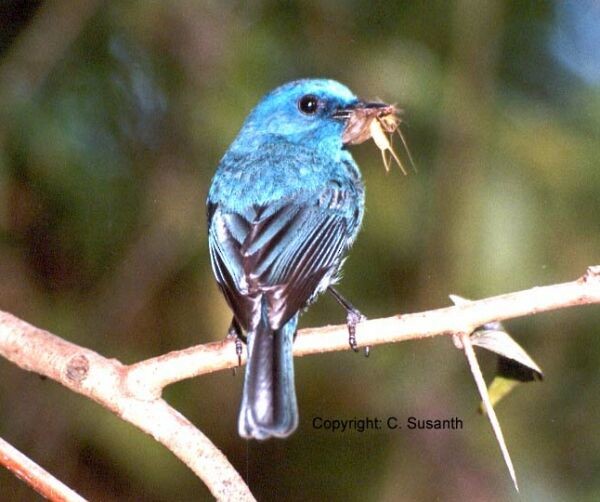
x: 353, y: 317
x: 235, y: 333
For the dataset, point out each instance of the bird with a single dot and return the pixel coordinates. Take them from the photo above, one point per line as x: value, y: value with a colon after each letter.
x: 284, y: 206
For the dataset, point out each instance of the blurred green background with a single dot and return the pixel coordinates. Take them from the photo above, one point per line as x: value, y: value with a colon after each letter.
x: 113, y: 117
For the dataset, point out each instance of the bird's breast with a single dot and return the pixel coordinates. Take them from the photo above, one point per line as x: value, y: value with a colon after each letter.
x: 276, y: 171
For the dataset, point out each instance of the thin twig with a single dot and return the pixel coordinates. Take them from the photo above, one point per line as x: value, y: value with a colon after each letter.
x: 467, y: 347
x: 152, y: 375
x: 35, y: 476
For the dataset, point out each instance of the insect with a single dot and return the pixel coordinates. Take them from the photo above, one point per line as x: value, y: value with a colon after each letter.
x: 389, y: 124
x: 378, y: 122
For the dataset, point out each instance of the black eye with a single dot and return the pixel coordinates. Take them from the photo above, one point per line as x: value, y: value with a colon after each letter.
x: 308, y: 104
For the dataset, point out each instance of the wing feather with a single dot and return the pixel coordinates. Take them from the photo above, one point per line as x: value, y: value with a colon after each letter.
x: 282, y: 253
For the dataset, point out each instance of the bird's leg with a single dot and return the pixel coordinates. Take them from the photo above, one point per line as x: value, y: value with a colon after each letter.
x: 235, y: 332
x: 353, y: 317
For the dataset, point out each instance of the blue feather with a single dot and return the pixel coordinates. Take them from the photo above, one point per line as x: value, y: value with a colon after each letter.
x: 284, y: 206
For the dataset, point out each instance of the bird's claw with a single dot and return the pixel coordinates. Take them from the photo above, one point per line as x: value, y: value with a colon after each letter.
x: 352, y: 319
x: 239, y: 349
x: 234, y: 333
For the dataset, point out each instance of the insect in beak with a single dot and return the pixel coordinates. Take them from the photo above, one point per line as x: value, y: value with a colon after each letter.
x: 374, y: 120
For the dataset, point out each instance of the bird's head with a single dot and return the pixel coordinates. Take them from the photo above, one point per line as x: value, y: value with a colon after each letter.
x: 312, y: 112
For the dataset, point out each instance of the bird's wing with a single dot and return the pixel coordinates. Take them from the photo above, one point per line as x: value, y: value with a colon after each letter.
x: 280, y: 253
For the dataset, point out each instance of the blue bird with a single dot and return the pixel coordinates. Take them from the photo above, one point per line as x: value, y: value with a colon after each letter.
x: 284, y: 206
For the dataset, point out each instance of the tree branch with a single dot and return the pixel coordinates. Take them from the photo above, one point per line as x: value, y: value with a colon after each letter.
x: 88, y: 373
x: 152, y: 375
x: 133, y: 392
x: 35, y: 476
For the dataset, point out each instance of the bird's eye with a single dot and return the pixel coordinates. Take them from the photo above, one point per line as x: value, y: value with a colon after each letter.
x: 308, y: 104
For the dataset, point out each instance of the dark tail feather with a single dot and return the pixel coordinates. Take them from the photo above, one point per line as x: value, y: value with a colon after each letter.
x: 269, y: 401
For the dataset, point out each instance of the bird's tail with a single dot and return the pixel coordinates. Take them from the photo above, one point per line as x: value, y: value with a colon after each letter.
x: 269, y: 400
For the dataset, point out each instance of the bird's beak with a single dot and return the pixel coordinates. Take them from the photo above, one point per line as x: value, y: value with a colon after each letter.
x: 358, y: 118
